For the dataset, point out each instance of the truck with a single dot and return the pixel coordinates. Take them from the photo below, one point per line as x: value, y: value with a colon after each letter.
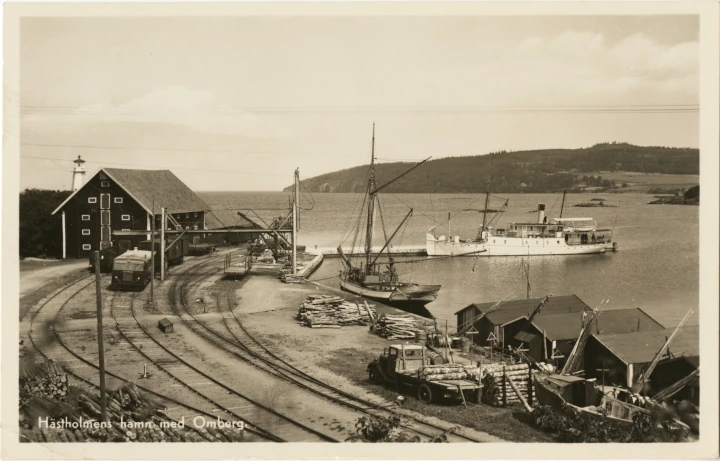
x: 407, y: 367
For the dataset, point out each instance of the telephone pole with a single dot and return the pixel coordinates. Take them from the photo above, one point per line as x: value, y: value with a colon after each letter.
x: 101, y: 349
x: 295, y: 221
x: 152, y: 255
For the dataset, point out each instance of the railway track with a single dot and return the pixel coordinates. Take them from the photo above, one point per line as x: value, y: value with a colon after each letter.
x: 242, y: 345
x: 48, y: 343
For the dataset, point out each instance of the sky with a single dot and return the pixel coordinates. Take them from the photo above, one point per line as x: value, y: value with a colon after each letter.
x: 232, y: 103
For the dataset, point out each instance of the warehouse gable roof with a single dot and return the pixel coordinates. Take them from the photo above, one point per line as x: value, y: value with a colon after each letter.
x: 626, y: 321
x: 641, y: 347
x: 514, y: 309
x: 229, y: 219
x: 146, y: 186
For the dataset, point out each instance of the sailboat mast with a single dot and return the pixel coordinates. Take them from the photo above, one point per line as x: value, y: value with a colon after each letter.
x: 487, y: 198
x: 563, y: 202
x: 371, y: 205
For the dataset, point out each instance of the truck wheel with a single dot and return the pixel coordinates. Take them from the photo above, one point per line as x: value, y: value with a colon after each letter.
x: 425, y: 393
x: 374, y: 378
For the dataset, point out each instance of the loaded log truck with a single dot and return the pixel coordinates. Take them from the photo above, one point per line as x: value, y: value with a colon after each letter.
x: 407, y: 367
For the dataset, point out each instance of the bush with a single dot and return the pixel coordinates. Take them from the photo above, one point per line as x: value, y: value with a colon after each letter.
x: 40, y: 233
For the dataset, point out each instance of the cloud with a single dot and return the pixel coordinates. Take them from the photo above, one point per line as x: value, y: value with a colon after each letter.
x: 176, y: 105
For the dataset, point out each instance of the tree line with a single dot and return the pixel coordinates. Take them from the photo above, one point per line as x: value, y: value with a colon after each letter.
x: 538, y: 171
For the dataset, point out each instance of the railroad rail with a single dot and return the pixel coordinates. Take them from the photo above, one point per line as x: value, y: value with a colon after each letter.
x: 65, y: 295
x: 254, y: 353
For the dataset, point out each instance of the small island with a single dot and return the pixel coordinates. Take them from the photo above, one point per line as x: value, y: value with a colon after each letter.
x: 594, y: 204
x: 689, y: 197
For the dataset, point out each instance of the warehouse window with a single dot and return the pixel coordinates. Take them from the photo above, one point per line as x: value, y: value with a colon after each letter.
x: 87, y: 246
x: 86, y: 232
x: 126, y: 229
x: 118, y: 199
x: 125, y: 217
x: 187, y: 215
x: 92, y: 199
x: 86, y: 217
x: 104, y: 183
x: 195, y: 215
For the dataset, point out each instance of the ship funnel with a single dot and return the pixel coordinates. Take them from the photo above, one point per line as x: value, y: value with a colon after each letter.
x: 541, y: 213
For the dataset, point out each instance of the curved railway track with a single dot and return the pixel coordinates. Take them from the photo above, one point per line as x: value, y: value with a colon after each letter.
x: 64, y: 355
x: 242, y: 345
x: 222, y: 395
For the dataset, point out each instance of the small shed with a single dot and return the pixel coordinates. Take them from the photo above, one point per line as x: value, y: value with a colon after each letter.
x: 561, y: 331
x: 623, y: 356
x: 165, y: 325
x: 503, y: 324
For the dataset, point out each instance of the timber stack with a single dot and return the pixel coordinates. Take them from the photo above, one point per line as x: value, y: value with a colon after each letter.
x: 400, y: 327
x: 324, y: 311
x: 44, y: 379
x: 518, y: 373
x: 126, y: 404
x: 287, y: 277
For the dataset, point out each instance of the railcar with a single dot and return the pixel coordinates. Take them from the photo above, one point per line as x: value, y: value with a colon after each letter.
x: 132, y: 270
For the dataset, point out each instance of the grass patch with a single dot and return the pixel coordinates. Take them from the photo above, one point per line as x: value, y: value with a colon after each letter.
x: 32, y: 298
x: 511, y: 423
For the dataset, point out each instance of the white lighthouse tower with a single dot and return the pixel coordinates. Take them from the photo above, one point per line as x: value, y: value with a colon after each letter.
x: 78, y: 174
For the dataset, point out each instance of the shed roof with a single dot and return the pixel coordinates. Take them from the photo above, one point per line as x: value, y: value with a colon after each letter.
x: 558, y: 327
x: 222, y: 218
x: 641, y: 347
x: 518, y: 308
x: 626, y: 321
x: 146, y: 186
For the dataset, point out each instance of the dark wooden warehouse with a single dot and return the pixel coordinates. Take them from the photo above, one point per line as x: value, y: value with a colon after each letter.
x: 625, y: 355
x: 123, y: 199
x: 561, y: 331
x: 503, y: 323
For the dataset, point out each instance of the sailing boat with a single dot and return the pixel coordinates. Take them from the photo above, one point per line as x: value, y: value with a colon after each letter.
x: 370, y: 279
x: 553, y: 236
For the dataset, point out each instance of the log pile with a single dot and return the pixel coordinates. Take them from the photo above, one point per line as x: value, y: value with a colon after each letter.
x: 324, y: 311
x: 444, y: 372
x: 44, y: 379
x: 399, y: 327
x: 71, y: 421
x: 519, y: 374
x: 287, y: 277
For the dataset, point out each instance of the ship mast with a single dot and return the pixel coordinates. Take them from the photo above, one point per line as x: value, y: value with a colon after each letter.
x: 371, y: 208
x: 563, y: 202
x: 487, y: 198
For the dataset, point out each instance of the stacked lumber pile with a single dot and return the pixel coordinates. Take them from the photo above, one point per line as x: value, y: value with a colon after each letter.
x: 287, y: 277
x: 399, y: 327
x: 519, y: 374
x: 127, y: 403
x: 445, y: 371
x: 324, y: 311
x: 44, y: 379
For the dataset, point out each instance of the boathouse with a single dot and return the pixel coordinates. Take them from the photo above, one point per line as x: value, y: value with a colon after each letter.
x: 623, y: 356
x: 561, y: 331
x: 123, y: 199
x: 502, y: 324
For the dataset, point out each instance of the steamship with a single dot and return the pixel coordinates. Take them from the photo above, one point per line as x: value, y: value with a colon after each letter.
x: 546, y: 236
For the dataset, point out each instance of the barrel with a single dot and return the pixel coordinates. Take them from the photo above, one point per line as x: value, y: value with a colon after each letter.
x: 421, y: 336
x: 465, y: 345
x: 435, y: 358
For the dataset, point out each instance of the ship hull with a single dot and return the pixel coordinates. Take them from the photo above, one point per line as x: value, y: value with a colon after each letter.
x: 400, y: 296
x: 513, y: 246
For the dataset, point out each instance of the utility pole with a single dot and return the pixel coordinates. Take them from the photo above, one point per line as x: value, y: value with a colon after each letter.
x: 101, y: 349
x: 152, y: 255
x: 163, y: 224
x: 295, y: 221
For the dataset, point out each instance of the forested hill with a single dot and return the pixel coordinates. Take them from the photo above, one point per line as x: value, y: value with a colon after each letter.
x: 527, y: 171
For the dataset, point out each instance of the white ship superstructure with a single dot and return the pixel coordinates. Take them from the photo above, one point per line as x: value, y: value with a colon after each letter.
x: 553, y: 236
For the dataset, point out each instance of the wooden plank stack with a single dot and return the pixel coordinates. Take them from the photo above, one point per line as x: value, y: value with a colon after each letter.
x: 519, y: 374
x: 324, y: 311
x: 287, y: 277
x: 399, y: 327
x: 45, y: 379
x: 127, y: 403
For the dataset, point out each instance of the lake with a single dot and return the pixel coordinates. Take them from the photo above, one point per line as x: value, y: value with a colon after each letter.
x: 656, y: 267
